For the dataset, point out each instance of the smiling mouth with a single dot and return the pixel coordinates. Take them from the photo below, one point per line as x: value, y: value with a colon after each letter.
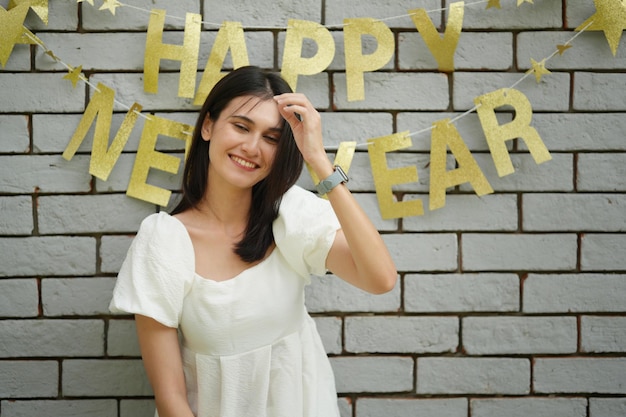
x: 243, y: 162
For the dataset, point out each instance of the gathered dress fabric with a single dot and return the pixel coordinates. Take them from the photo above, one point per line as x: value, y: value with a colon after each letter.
x: 248, y: 345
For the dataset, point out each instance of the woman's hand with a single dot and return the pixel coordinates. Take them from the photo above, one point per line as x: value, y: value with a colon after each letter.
x: 306, y: 125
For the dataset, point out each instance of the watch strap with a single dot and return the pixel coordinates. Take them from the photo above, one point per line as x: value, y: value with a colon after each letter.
x: 333, y: 180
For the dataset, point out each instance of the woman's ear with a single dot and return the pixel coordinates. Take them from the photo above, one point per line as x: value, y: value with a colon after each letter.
x: 207, y: 128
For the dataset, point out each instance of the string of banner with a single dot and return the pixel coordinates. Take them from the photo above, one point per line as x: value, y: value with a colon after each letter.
x: 610, y: 17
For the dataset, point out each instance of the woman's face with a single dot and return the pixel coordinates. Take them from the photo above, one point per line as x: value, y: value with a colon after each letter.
x: 243, y: 141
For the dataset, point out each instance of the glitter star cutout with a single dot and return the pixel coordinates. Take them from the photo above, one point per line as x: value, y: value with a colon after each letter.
x: 563, y: 48
x: 11, y: 29
x: 539, y: 68
x: 610, y: 17
x: 493, y: 3
x: 40, y: 7
x: 74, y: 75
x: 110, y: 5
x: 519, y: 2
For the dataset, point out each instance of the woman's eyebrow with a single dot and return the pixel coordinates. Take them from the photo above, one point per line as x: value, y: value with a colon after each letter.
x: 249, y: 120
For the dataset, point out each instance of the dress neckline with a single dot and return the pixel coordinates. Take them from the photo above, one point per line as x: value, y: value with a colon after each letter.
x: 193, y: 257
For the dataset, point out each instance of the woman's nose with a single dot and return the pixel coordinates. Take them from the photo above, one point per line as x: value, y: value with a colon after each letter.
x: 251, y: 144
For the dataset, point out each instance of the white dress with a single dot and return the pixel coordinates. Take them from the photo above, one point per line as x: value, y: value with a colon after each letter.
x: 249, y: 347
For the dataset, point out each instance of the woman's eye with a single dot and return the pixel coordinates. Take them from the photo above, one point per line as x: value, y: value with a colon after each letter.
x: 241, y: 127
x: 272, y: 139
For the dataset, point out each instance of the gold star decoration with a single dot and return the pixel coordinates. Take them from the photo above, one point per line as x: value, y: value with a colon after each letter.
x: 11, y: 29
x: 88, y: 1
x: 563, y: 48
x: 493, y: 3
x: 539, y: 68
x: 610, y: 17
x: 40, y: 7
x: 110, y: 5
x: 74, y: 75
x: 519, y: 2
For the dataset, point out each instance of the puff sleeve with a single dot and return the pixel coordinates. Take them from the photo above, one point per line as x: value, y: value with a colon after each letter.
x: 305, y: 231
x: 157, y: 272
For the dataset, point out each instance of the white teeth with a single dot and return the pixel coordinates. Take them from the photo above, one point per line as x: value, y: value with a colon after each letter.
x: 244, y: 162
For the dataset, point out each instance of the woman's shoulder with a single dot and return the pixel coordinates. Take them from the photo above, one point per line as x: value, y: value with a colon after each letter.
x: 162, y: 230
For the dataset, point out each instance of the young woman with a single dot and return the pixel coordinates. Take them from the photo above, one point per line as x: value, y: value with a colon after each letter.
x: 228, y: 268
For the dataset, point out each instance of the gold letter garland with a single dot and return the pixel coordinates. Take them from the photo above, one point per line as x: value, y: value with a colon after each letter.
x: 100, y: 107
x: 147, y: 158
x: 519, y: 127
x: 385, y: 178
x: 230, y: 36
x: 356, y: 62
x: 343, y: 158
x: 445, y: 135
x: 293, y: 62
x: 187, y: 53
x: 443, y: 49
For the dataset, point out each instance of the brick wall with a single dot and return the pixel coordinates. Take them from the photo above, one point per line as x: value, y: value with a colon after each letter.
x: 512, y: 304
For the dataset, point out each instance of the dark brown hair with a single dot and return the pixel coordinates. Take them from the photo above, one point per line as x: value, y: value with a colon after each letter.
x: 267, y: 194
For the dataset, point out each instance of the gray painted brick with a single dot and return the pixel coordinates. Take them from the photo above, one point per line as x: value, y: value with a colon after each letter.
x: 91, y: 214
x: 60, y: 408
x: 56, y: 255
x: 401, y: 91
x: 330, y: 330
x: 581, y: 212
x: 607, y: 407
x: 122, y: 338
x: 473, y: 376
x: 401, y: 334
x: 592, y: 51
x: 468, y: 126
x: 556, y: 174
x: 127, y: 19
x: 358, y: 127
x: 600, y: 252
x: 511, y: 252
x: 104, y: 377
x: 519, y: 335
x: 329, y: 293
x: 28, y: 379
x: 19, y: 298
x: 581, y: 131
x: 50, y: 338
x: 373, y: 373
x: 596, y: 91
x: 265, y: 13
x: 461, y: 293
x: 496, y: 212
x: 76, y: 296
x: 121, y: 174
x: 336, y: 9
x: 580, y: 375
x: 601, y: 172
x: 16, y: 216
x: 474, y: 51
x: 531, y: 406
x: 599, y: 334
x: 423, y: 252
x: 14, y: 135
x: 19, y: 59
x: 62, y: 15
x: 113, y: 250
x: 23, y: 174
x: 59, y: 97
x: 550, y: 95
x: 544, y: 14
x: 369, y: 204
x: 406, y: 407
x: 569, y: 293
x: 137, y: 408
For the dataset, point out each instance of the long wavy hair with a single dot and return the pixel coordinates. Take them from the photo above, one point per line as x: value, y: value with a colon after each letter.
x: 266, y: 194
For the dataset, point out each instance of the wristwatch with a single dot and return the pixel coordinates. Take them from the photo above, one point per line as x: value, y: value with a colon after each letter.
x: 333, y: 180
